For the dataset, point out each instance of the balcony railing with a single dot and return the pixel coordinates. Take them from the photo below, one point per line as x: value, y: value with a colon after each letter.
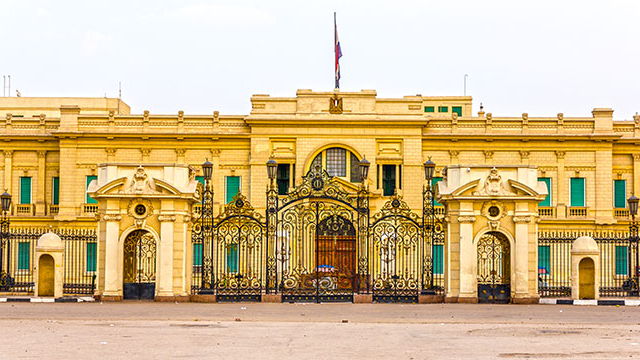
x: 54, y: 209
x: 578, y: 211
x: 546, y: 211
x: 24, y: 209
x: 438, y: 210
x: 621, y: 213
x: 89, y: 209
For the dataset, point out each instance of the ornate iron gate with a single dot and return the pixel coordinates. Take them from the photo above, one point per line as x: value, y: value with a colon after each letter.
x: 239, y: 237
x: 139, y: 273
x: 318, y: 237
x: 494, y: 268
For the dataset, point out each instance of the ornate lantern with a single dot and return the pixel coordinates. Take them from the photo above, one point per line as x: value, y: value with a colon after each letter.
x: 429, y: 168
x: 364, y: 168
x: 272, y: 169
x: 207, y: 170
x: 5, y: 198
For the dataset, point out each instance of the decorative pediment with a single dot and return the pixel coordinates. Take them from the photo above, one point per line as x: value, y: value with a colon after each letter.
x: 494, y: 185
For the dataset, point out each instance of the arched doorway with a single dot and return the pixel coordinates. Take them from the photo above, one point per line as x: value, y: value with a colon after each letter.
x: 139, y: 273
x: 587, y: 279
x: 494, y: 268
x: 46, y: 275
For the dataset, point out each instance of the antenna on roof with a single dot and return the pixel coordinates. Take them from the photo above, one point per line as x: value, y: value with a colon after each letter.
x: 119, y: 89
x: 6, y: 85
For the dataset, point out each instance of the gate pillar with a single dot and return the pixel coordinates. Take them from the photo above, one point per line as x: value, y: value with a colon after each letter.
x: 483, y: 199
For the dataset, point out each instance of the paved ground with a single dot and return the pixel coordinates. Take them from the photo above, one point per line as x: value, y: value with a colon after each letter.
x: 327, y: 331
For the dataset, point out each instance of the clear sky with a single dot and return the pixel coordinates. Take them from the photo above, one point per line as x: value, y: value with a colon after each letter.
x: 540, y: 57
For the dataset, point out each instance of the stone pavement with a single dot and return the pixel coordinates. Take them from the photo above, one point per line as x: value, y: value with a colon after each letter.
x: 326, y: 331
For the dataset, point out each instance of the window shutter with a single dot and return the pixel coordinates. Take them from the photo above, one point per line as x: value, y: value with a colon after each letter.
x: 457, y: 110
x: 544, y: 259
x: 547, y: 201
x: 24, y: 255
x: 89, y: 199
x: 434, y: 184
x: 25, y: 190
x: 577, y: 192
x: 91, y: 256
x: 388, y: 179
x: 283, y: 179
x: 197, y: 254
x: 438, y: 259
x: 233, y: 187
x: 622, y: 267
x: 55, y: 191
x: 232, y: 258
x: 620, y: 194
x: 429, y: 109
x: 200, y: 179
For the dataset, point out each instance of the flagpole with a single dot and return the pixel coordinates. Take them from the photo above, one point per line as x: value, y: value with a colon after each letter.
x: 335, y: 50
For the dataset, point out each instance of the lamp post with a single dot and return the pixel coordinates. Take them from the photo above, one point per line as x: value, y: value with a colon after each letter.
x: 5, y: 235
x: 428, y: 220
x: 634, y: 261
x: 272, y: 219
x: 206, y: 230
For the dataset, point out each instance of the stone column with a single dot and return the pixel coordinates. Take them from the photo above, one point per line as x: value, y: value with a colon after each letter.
x: 520, y: 277
x: 604, y: 187
x: 72, y: 184
x: 40, y: 192
x: 562, y: 183
x: 164, y: 269
x: 112, y: 258
x: 636, y: 174
x: 8, y: 164
x: 468, y: 260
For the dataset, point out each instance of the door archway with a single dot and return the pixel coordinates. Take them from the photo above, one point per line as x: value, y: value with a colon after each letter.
x: 139, y: 271
x: 587, y: 279
x: 494, y: 268
x: 46, y: 275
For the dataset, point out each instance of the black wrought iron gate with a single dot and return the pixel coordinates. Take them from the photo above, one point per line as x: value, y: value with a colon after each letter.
x: 139, y: 273
x: 494, y: 268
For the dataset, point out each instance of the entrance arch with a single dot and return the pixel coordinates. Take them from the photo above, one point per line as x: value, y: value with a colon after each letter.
x: 587, y: 279
x: 46, y: 275
x: 494, y: 268
x: 139, y: 270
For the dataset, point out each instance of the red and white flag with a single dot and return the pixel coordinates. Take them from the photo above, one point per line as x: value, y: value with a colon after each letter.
x: 337, y: 50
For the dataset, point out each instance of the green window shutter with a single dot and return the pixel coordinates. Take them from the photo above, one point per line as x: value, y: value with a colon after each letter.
x: 457, y: 110
x: 577, y: 192
x: 200, y: 179
x: 25, y: 190
x: 233, y: 187
x: 622, y: 267
x: 232, y: 258
x: 429, y: 109
x: 89, y: 199
x: 92, y: 252
x: 443, y: 109
x: 55, y: 191
x: 388, y: 180
x: 197, y: 254
x: 547, y: 201
x: 544, y: 259
x: 24, y: 255
x: 434, y: 184
x: 283, y: 179
x: 438, y: 259
x: 620, y: 194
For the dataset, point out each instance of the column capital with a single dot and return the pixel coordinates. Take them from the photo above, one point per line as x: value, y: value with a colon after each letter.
x: 560, y: 154
x: 8, y: 153
x: 636, y: 157
x: 42, y: 153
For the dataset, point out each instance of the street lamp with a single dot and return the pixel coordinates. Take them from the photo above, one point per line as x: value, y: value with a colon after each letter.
x: 428, y: 220
x: 272, y: 170
x: 364, y: 168
x: 207, y: 170
x: 206, y: 230
x: 5, y: 278
x: 429, y: 168
x: 634, y: 261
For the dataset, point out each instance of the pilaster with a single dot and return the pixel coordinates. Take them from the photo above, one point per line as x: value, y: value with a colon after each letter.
x: 40, y: 192
x: 164, y: 269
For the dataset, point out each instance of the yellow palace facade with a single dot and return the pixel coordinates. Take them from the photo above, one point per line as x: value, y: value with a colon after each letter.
x: 325, y: 196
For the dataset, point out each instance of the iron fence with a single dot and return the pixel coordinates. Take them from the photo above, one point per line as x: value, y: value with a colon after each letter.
x: 617, y: 254
x: 18, y: 256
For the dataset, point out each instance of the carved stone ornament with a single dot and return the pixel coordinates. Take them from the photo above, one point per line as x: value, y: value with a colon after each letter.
x: 140, y: 183
x: 108, y: 217
x: 466, y: 219
x: 163, y: 218
x: 335, y: 104
x: 522, y: 219
x: 493, y: 185
x: 494, y: 210
x: 140, y: 208
x: 494, y: 225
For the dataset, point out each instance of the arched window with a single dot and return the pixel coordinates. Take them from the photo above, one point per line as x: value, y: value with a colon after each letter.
x: 339, y: 162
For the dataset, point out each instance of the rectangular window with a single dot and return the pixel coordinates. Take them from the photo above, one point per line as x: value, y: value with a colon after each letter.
x: 620, y: 194
x: 233, y: 187
x: 200, y: 179
x: 232, y: 258
x: 443, y: 109
x: 429, y: 109
x: 577, y: 192
x: 25, y: 190
x: 356, y: 175
x: 438, y: 259
x: 388, y: 180
x: 457, y: 110
x: 92, y: 256
x: 547, y: 201
x: 283, y: 178
x: 622, y: 265
x: 544, y: 259
x: 24, y: 255
x: 337, y: 162
x: 434, y: 186
x: 55, y: 190
x: 90, y: 200
x: 197, y: 254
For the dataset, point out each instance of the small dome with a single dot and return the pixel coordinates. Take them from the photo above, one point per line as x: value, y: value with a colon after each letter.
x: 585, y: 244
x: 49, y: 240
